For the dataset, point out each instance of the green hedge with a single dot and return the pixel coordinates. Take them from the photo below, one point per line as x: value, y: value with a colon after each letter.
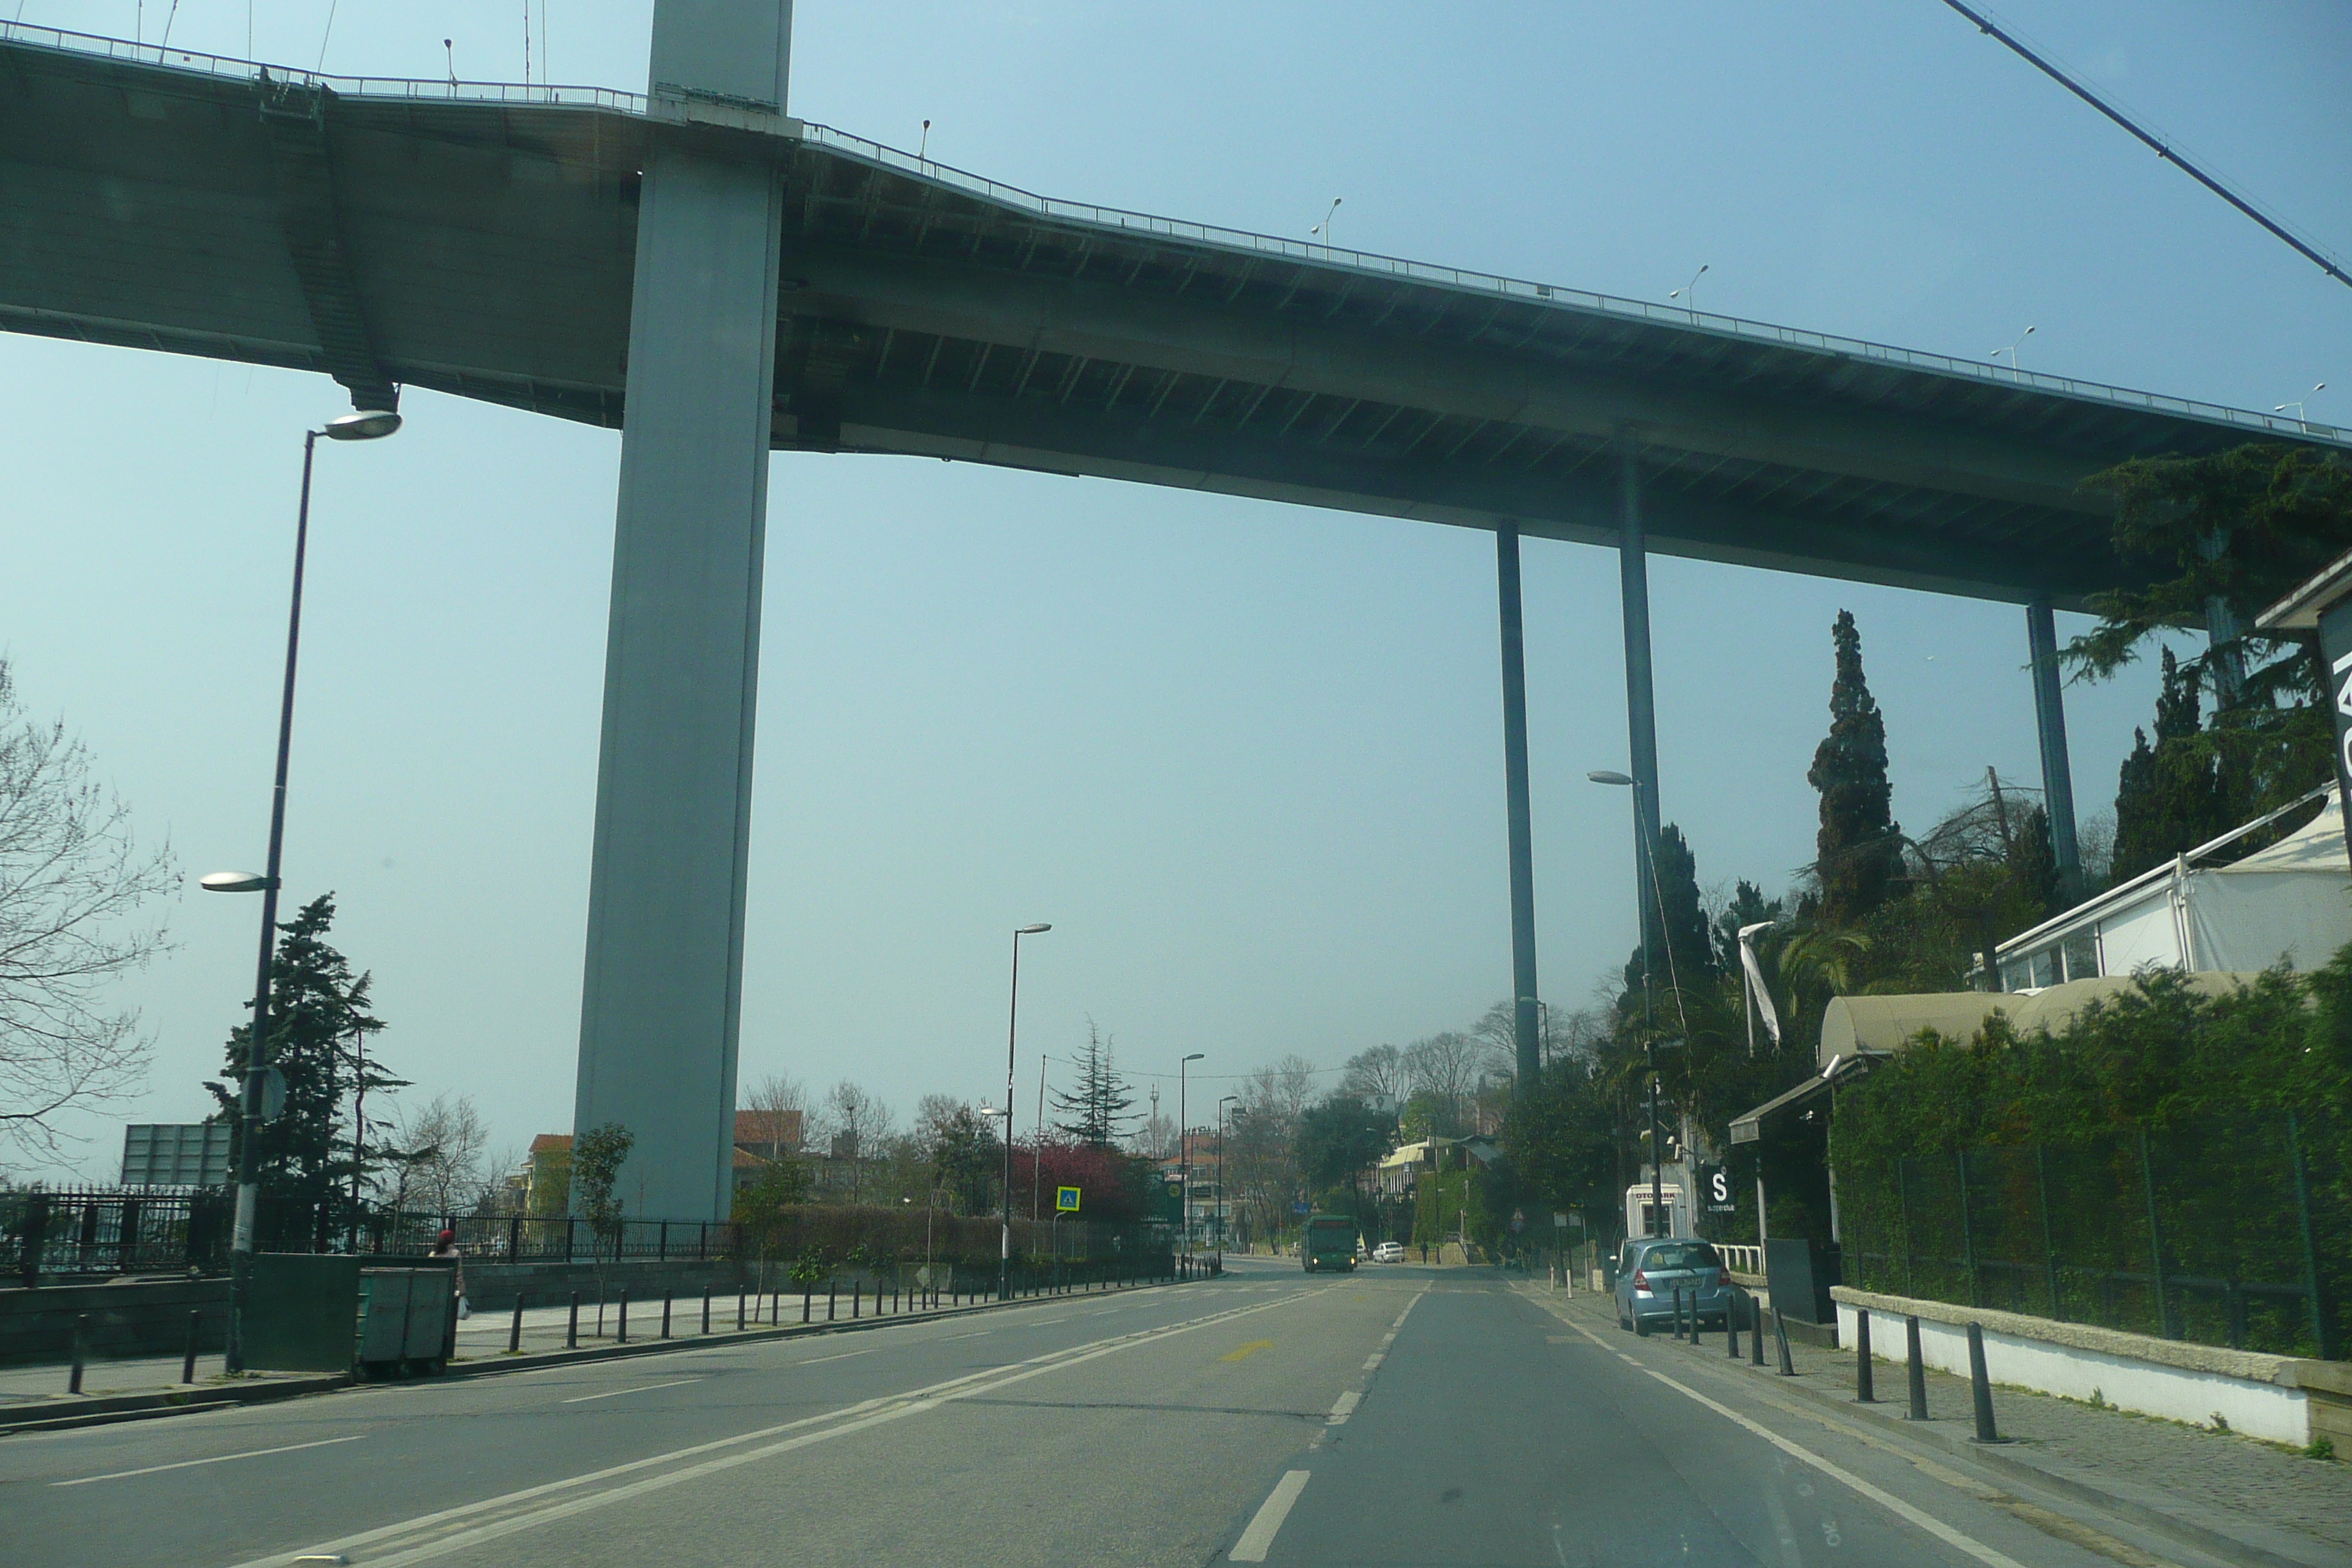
x: 2172, y: 1164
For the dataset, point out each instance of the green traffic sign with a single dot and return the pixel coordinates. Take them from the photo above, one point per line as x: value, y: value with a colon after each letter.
x: 1066, y: 1199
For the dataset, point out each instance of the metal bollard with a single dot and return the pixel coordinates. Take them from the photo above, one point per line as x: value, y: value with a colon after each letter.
x: 832, y: 1295
x: 571, y: 1329
x: 81, y: 1351
x: 666, y: 1296
x: 623, y: 1336
x: 804, y: 1304
x: 1678, y: 1311
x: 1696, y: 1322
x: 706, y: 1309
x: 1755, y: 1329
x: 1917, y: 1371
x: 1780, y: 1337
x: 857, y: 1298
x: 188, y: 1362
x: 514, y: 1329
x: 1866, y: 1387
x: 740, y: 1297
x: 1731, y: 1326
x: 1981, y: 1387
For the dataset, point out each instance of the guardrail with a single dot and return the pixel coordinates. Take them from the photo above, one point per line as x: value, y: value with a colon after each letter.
x: 1741, y: 1257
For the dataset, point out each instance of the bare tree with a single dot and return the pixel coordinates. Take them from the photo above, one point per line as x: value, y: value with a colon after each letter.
x: 71, y: 884
x: 779, y: 1103
x: 1445, y: 1066
x: 1375, y: 1074
x: 858, y: 1123
x: 445, y: 1140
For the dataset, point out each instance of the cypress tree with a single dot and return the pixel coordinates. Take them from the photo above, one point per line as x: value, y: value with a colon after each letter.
x: 1098, y: 1109
x: 1681, y: 920
x: 1857, y: 850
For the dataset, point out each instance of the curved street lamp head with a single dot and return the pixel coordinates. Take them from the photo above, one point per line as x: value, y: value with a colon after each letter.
x: 362, y: 425
x: 233, y: 883
x: 1031, y: 930
x: 1609, y: 776
x: 1195, y: 1057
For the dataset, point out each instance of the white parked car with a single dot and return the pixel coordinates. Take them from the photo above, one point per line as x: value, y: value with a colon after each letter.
x: 1389, y: 1252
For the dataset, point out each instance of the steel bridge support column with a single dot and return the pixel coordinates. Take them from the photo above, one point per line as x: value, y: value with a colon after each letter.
x: 661, y: 993
x: 1515, y: 791
x: 2050, y: 723
x: 1641, y: 706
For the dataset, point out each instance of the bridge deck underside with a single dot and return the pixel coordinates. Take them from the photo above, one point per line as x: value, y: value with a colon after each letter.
x: 487, y: 250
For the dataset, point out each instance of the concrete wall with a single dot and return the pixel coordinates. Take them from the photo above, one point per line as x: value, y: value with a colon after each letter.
x: 2283, y: 1398
x: 126, y: 1320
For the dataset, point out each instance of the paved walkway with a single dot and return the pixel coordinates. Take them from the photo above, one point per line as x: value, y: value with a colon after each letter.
x: 2188, y: 1470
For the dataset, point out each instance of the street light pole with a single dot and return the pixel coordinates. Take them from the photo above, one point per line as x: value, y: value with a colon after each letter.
x: 1184, y: 1151
x: 1011, y: 1042
x: 1645, y: 847
x: 367, y: 424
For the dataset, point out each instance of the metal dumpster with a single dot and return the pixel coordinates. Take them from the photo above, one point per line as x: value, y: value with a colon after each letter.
x: 407, y: 1319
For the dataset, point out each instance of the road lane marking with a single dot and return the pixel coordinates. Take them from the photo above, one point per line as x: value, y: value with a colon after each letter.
x: 1372, y: 1362
x: 976, y: 1334
x: 641, y: 1388
x: 1884, y: 1498
x: 845, y: 1355
x: 215, y: 1459
x: 1258, y: 1539
x: 548, y: 1506
x: 1343, y: 1408
x: 1247, y: 1351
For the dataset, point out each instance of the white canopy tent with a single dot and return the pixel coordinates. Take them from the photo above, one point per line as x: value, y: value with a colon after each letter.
x: 2292, y: 901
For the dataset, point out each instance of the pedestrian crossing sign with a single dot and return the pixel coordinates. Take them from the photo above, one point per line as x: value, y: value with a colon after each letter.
x: 1066, y: 1200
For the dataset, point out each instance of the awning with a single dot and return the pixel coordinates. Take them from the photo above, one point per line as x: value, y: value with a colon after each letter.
x: 1750, y: 1128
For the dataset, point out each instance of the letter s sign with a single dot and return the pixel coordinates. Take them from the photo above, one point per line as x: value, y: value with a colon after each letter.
x: 1720, y: 1187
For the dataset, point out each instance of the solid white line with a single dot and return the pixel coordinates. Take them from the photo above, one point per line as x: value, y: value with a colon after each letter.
x: 1258, y: 1539
x: 215, y: 1459
x: 818, y: 1360
x: 641, y: 1388
x: 1886, y: 1500
x: 1342, y: 1407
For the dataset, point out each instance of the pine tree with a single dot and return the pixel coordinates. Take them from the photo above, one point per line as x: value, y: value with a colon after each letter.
x: 1857, y: 849
x: 317, y: 1008
x: 1098, y: 1109
x: 2169, y: 796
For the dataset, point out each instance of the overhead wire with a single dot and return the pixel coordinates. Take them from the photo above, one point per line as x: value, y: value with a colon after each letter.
x: 2162, y: 149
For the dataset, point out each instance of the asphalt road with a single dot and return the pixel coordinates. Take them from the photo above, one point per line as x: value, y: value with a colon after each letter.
x: 1397, y: 1415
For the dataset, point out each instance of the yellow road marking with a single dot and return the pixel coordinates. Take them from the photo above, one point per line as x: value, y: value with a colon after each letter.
x: 1247, y: 1351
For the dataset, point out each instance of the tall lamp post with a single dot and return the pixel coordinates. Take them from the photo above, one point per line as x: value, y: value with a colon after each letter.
x: 366, y: 425
x: 1012, y: 1041
x: 1228, y: 1099
x: 1184, y: 1150
x: 1645, y: 846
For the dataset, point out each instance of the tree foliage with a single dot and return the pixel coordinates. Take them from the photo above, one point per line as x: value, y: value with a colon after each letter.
x: 1096, y: 1112
x: 598, y: 1156
x: 319, y: 1012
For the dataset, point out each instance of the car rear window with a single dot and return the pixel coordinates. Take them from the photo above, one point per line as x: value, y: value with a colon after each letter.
x: 1682, y: 1254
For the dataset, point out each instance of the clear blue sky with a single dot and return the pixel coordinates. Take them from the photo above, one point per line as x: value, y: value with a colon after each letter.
x: 1247, y: 758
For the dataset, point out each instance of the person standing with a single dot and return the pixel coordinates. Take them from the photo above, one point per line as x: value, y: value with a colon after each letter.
x: 446, y: 1249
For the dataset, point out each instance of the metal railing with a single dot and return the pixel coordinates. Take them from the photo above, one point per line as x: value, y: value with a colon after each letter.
x: 129, y: 1230
x: 1121, y: 220
x: 1741, y: 1257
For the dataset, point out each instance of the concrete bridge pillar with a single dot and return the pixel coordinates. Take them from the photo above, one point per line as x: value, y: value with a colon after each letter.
x: 662, y: 990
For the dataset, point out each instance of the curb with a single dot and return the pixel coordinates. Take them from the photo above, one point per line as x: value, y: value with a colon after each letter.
x: 151, y: 1406
x: 2068, y: 1481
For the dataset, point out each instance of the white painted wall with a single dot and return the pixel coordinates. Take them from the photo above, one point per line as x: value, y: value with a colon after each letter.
x: 2177, y: 1394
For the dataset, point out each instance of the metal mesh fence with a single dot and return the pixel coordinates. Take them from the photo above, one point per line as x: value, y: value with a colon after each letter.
x: 2231, y: 1232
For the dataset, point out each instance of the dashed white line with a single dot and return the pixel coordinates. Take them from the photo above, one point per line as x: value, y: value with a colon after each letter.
x: 1343, y: 1408
x: 845, y: 1355
x: 1258, y: 1539
x: 215, y: 1459
x: 641, y: 1388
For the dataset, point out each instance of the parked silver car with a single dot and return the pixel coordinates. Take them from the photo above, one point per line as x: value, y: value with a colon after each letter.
x: 1650, y: 1269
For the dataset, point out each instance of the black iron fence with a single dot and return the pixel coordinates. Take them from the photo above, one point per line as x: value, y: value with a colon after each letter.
x: 118, y: 1230
x: 2233, y: 1233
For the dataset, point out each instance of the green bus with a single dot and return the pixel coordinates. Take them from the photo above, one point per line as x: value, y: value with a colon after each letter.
x: 1329, y: 1243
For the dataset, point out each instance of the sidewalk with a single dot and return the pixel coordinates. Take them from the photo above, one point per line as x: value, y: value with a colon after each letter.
x: 2267, y: 1504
